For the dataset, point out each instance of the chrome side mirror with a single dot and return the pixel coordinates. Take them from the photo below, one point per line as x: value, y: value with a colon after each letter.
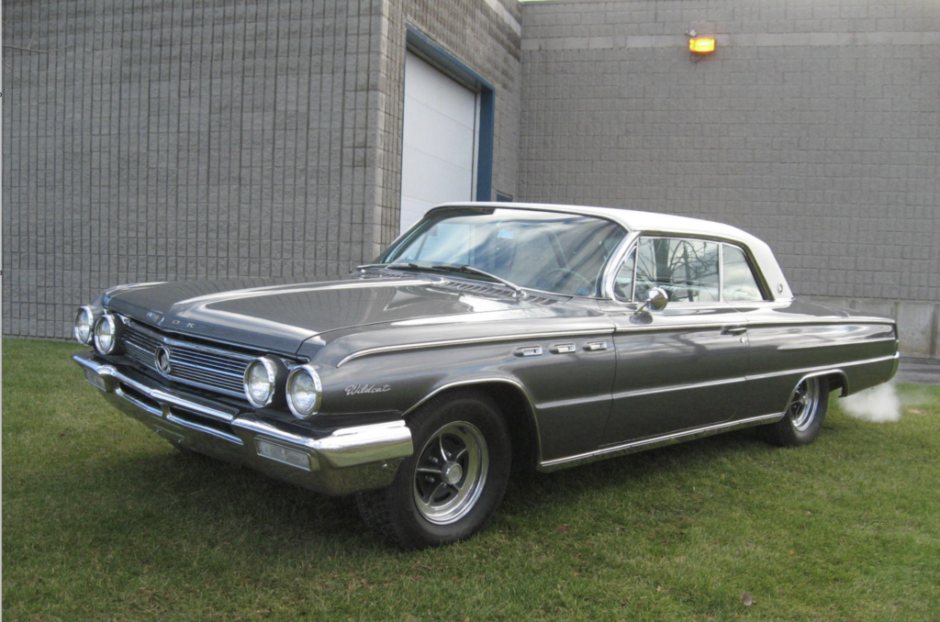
x: 657, y: 298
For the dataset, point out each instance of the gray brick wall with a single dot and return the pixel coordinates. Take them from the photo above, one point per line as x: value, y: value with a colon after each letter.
x: 815, y: 125
x: 151, y: 140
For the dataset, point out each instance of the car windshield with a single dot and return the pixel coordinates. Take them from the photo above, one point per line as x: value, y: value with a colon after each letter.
x: 547, y: 251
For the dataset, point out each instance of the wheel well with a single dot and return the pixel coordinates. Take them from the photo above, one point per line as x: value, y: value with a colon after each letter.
x: 519, y: 417
x: 837, y: 380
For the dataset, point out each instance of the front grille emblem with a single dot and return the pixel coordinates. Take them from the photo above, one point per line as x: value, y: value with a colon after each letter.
x: 161, y: 359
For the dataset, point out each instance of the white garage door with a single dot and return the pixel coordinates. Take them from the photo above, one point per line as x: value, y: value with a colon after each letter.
x: 439, y: 146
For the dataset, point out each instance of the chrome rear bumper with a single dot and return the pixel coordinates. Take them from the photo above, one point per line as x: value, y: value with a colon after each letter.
x: 346, y: 461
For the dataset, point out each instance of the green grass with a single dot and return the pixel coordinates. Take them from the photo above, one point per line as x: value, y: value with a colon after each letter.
x: 102, y: 520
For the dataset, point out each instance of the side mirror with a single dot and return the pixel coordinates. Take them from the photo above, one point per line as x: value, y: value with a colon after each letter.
x: 657, y: 298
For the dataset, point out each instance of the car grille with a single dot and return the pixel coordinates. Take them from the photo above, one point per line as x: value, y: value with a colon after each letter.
x: 193, y: 364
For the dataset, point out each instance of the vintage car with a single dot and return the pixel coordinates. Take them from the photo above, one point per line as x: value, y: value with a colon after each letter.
x: 488, y: 336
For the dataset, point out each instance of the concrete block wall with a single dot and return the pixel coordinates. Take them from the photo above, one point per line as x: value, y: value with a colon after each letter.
x: 157, y: 141
x: 815, y: 125
x: 153, y: 141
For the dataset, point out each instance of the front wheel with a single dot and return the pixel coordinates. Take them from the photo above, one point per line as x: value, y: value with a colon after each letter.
x: 451, y: 486
x: 804, y: 417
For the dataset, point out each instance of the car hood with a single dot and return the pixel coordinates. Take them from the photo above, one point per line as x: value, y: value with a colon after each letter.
x: 281, y: 317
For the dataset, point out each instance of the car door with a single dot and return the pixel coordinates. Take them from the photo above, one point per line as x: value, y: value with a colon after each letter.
x: 683, y: 367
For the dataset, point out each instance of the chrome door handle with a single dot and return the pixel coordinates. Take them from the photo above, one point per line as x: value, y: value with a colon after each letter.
x: 733, y: 330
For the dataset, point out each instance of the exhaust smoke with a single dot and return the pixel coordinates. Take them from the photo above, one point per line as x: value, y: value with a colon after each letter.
x: 878, y: 404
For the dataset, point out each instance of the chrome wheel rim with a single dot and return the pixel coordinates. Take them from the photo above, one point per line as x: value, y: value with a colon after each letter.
x: 450, y: 473
x: 803, y: 404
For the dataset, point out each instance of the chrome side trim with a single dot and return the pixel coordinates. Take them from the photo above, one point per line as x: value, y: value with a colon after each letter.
x: 471, y: 341
x: 813, y: 346
x: 677, y: 387
x: 834, y: 320
x: 825, y: 369
x: 657, y: 441
x: 574, y: 402
x: 749, y: 325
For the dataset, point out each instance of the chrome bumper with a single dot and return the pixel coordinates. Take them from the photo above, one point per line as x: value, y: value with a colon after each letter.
x: 346, y: 461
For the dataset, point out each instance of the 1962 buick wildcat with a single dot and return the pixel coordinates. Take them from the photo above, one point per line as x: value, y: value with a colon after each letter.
x: 489, y: 334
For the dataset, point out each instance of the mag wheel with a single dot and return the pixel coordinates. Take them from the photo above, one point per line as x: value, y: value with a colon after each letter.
x: 804, y: 416
x: 451, y: 486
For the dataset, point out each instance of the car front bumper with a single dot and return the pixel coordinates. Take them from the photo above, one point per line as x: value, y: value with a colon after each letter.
x: 347, y: 460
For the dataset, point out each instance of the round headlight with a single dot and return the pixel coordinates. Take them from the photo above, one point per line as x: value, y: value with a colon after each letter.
x: 261, y: 379
x: 304, y: 391
x: 106, y: 334
x: 84, y: 328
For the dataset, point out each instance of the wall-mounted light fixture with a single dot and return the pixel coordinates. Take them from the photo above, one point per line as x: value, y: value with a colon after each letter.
x: 700, y: 45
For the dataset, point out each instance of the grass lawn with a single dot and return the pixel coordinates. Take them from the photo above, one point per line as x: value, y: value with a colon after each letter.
x: 102, y: 520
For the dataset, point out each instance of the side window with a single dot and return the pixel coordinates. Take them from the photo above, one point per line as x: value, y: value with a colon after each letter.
x: 686, y: 269
x: 738, y: 282
x: 623, y: 285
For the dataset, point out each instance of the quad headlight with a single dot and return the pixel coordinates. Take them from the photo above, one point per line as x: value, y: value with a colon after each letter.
x: 304, y: 391
x: 107, y: 331
x: 261, y: 380
x: 84, y: 329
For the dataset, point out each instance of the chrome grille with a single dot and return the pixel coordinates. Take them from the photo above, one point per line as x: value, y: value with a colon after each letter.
x: 193, y: 364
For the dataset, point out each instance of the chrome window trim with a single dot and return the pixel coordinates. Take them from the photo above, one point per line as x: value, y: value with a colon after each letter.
x: 632, y: 241
x: 405, y: 237
x: 689, y: 239
x: 470, y: 341
x: 616, y: 261
x: 759, y: 279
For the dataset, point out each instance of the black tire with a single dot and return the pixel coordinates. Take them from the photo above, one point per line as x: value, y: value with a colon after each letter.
x: 804, y: 416
x: 451, y: 486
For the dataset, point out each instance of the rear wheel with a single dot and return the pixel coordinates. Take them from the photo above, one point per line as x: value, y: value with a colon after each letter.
x: 451, y: 486
x: 804, y: 417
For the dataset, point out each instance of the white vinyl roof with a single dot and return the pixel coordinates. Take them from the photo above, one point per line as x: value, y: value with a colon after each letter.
x: 651, y: 222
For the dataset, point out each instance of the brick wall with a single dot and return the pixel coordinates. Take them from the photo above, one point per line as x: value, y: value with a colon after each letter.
x: 152, y: 140
x: 815, y: 125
